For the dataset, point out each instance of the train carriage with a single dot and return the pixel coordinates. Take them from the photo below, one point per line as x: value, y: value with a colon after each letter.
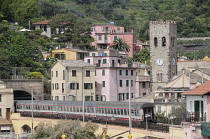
x: 100, y: 110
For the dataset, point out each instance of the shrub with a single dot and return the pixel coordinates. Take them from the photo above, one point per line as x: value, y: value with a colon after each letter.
x: 34, y: 75
x: 38, y: 31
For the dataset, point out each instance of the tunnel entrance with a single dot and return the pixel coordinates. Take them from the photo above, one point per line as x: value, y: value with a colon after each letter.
x: 22, y: 95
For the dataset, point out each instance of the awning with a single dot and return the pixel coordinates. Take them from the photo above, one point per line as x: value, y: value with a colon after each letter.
x: 205, y: 129
x: 5, y: 122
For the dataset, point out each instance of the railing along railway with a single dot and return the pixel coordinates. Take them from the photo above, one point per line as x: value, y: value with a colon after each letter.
x: 135, y: 124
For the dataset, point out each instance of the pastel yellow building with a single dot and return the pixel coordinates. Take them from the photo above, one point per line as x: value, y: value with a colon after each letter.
x: 142, y: 83
x: 6, y: 107
x: 206, y: 58
x: 71, y: 78
x: 6, y: 101
x: 69, y: 54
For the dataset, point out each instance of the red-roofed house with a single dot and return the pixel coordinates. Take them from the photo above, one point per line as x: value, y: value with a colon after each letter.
x: 44, y: 25
x: 198, y: 101
x: 198, y: 106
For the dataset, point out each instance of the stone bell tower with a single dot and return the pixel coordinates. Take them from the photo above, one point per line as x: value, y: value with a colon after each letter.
x: 163, y: 52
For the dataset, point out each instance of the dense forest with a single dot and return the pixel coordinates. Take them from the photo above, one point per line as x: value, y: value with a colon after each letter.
x: 23, y: 49
x: 192, y: 16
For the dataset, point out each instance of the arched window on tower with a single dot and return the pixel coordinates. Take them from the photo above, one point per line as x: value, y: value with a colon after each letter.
x: 163, y: 41
x: 159, y: 77
x: 155, y: 41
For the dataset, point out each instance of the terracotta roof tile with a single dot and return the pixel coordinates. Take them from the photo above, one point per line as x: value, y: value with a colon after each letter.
x: 200, y: 90
x: 41, y: 23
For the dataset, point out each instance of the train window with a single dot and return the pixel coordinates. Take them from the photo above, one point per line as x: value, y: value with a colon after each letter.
x: 126, y: 111
x: 121, y: 112
x: 116, y: 111
x: 132, y: 112
x: 88, y: 109
x: 103, y: 110
x: 109, y: 111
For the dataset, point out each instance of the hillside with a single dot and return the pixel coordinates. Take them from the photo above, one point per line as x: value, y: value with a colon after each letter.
x: 24, y: 49
x: 192, y: 16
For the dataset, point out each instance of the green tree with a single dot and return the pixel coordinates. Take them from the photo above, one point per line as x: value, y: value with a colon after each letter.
x: 143, y: 56
x: 24, y: 10
x: 120, y: 45
x: 48, y: 131
x: 5, y: 65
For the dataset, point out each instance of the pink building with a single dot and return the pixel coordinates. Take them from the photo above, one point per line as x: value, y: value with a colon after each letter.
x: 140, y: 45
x: 105, y: 35
x: 114, y: 74
x: 197, y: 123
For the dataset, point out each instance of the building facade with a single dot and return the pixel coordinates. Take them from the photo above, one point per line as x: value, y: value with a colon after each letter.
x: 115, y: 76
x: 6, y: 101
x: 163, y: 52
x: 43, y: 25
x: 106, y: 34
x: 69, y: 54
x: 196, y: 124
x: 72, y: 80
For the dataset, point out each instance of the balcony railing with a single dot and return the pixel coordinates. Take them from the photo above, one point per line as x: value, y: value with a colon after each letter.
x: 195, y: 117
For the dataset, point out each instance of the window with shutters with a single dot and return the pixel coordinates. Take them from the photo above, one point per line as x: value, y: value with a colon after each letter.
x: 87, y: 73
x: 88, y: 86
x: 74, y: 86
x: 74, y: 73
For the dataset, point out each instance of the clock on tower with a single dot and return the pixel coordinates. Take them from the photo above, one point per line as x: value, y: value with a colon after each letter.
x: 163, y: 52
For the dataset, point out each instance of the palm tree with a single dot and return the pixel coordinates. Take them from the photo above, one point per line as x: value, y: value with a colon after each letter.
x: 120, y: 45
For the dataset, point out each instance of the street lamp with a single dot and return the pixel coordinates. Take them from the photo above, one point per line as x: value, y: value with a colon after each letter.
x: 105, y: 130
x: 172, y: 117
x: 130, y: 122
x: 32, y: 108
x: 146, y: 116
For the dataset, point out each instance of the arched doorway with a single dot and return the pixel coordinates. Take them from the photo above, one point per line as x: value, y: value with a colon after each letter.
x: 26, y: 128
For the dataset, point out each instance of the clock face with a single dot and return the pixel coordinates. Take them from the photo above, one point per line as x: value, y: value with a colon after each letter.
x: 173, y: 61
x: 159, y: 61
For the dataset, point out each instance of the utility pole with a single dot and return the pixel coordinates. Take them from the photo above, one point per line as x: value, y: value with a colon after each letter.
x: 130, y: 122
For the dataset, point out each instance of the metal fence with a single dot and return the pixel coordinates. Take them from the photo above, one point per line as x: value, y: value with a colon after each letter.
x: 12, y: 135
x: 137, y: 124
x: 165, y: 120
